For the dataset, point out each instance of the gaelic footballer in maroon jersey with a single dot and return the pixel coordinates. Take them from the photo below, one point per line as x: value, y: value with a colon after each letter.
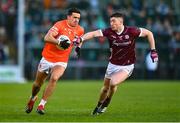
x: 121, y: 40
x: 122, y: 46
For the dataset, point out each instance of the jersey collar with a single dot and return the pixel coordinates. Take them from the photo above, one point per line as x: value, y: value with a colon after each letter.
x: 120, y: 31
x: 69, y: 25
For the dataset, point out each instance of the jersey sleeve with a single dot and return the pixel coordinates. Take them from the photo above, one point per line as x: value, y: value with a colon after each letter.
x: 82, y: 32
x: 79, y: 31
x: 54, y: 29
x: 136, y: 31
x: 105, y: 32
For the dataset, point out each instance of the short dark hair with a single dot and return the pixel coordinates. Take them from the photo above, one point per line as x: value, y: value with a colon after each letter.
x: 118, y: 14
x: 73, y: 10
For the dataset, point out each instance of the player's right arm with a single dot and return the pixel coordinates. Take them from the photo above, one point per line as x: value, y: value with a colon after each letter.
x: 78, y: 40
x: 92, y: 34
x: 51, y: 34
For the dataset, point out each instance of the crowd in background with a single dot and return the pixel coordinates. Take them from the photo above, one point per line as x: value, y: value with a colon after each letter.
x: 161, y: 17
x: 8, y: 42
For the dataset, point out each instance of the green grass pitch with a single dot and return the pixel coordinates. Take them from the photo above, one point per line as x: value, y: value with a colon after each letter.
x: 73, y: 101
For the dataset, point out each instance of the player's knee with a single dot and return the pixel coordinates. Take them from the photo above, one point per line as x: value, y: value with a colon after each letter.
x: 113, y: 82
x: 54, y: 79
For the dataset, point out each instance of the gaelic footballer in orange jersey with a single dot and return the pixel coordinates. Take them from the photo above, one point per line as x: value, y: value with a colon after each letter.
x: 54, y: 60
x: 51, y: 52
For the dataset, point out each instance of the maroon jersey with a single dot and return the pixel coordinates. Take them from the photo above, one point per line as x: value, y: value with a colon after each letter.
x: 122, y: 45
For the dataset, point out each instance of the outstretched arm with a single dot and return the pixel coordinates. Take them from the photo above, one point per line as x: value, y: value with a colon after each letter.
x: 92, y: 34
x: 78, y: 40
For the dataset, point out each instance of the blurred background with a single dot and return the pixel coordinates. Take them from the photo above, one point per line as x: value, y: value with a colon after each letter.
x: 24, y: 23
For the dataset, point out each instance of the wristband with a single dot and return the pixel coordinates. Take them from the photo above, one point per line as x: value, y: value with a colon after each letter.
x: 58, y: 42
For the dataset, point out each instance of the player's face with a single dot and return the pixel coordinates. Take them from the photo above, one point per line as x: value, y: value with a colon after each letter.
x: 116, y: 23
x: 73, y: 20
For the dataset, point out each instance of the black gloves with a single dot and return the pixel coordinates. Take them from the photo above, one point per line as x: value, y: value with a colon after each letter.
x: 77, y: 50
x: 64, y: 44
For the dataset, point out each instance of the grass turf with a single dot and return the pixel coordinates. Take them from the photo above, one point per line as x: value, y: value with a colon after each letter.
x: 73, y: 102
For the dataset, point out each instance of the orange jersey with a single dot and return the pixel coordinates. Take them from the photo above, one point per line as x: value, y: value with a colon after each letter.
x: 51, y: 52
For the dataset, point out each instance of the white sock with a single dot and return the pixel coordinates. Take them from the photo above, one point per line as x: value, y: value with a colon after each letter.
x: 43, y: 102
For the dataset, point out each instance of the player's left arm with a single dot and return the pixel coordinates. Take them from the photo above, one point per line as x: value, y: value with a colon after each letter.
x: 147, y: 33
x: 150, y: 37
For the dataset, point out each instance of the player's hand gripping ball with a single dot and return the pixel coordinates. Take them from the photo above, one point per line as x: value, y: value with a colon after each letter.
x: 64, y: 42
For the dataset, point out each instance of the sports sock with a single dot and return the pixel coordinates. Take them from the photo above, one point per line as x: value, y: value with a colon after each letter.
x: 99, y: 104
x: 43, y: 102
x: 106, y: 102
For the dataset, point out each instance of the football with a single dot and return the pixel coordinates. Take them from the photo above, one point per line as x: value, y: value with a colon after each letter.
x: 62, y: 38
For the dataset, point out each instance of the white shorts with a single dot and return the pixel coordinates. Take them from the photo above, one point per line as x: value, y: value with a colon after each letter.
x: 112, y: 68
x: 45, y: 66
